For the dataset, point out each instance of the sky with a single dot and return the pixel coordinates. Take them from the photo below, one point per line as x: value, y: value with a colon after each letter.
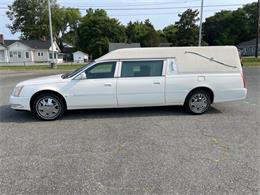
x: 160, y: 12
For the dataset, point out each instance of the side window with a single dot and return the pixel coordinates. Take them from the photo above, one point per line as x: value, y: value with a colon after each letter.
x: 142, y: 68
x: 102, y: 70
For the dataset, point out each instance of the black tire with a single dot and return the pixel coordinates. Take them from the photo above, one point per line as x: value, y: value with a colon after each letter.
x: 201, y: 105
x: 54, y: 110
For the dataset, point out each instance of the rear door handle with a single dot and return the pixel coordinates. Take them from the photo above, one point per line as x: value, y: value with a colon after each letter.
x: 156, y: 83
x: 108, y: 84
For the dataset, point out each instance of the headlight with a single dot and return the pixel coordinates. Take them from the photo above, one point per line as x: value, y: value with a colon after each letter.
x: 17, y: 91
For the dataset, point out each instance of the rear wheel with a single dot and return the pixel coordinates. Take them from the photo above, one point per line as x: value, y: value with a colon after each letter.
x: 198, y: 102
x: 48, y: 107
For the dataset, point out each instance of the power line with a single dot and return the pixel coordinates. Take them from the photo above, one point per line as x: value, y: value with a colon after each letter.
x: 160, y: 13
x: 163, y: 8
x: 150, y: 14
x: 153, y: 8
x: 138, y: 5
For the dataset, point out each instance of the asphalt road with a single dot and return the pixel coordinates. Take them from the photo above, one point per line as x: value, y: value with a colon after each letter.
x: 131, y: 151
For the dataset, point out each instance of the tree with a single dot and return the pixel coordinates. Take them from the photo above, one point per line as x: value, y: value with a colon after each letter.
x: 162, y: 36
x: 186, y: 29
x: 231, y: 27
x: 143, y: 33
x: 65, y: 21
x: 96, y: 30
x: 169, y: 33
x: 30, y: 17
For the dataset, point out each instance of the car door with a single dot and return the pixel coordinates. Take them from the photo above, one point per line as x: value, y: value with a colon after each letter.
x: 141, y: 83
x: 98, y: 89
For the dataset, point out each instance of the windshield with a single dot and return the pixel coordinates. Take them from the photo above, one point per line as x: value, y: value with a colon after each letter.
x: 73, y: 73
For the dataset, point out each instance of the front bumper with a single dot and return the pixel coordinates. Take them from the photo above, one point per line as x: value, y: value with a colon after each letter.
x: 19, y: 103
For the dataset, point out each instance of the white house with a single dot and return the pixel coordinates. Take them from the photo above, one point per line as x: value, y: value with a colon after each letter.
x: 28, y: 51
x: 80, y: 57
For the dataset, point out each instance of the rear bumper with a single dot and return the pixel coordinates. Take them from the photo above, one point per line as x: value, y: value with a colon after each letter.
x: 19, y: 103
x: 230, y: 95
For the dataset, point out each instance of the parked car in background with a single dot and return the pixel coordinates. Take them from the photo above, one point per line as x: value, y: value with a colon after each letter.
x: 195, y: 77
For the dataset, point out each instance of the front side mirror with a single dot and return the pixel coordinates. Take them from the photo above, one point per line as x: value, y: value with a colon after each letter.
x: 82, y: 76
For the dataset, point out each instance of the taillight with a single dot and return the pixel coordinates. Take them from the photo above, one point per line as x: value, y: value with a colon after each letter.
x: 243, y: 79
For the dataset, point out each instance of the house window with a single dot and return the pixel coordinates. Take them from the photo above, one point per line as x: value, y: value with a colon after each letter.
x: 50, y: 55
x: 40, y: 54
x: 19, y: 54
x: 11, y: 54
x: 15, y: 54
x: 27, y: 54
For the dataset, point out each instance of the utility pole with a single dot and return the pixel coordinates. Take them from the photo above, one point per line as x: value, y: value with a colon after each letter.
x: 50, y: 24
x: 257, y: 30
x: 201, y: 16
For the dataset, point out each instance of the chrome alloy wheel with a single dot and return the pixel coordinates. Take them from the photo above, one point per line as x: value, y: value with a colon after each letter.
x: 198, y: 103
x: 48, y: 108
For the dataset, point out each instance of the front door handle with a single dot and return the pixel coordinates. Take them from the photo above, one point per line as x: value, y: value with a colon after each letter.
x: 108, y: 84
x: 156, y: 83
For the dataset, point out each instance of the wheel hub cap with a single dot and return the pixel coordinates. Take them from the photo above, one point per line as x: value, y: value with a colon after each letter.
x: 198, y: 103
x: 48, y: 107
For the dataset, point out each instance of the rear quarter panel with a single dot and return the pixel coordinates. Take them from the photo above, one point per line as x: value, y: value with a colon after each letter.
x: 225, y: 86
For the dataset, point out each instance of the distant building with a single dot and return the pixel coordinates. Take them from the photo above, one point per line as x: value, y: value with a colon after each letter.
x: 24, y: 51
x: 80, y: 57
x: 166, y: 44
x: 115, y: 46
x: 68, y: 50
x: 27, y: 51
x: 247, y: 48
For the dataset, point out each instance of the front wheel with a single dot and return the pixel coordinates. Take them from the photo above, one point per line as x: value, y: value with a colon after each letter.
x: 198, y: 102
x: 48, y: 107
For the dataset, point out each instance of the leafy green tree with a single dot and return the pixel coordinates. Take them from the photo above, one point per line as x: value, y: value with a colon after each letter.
x: 169, y: 33
x: 96, y: 30
x: 143, y: 33
x: 65, y: 22
x: 186, y: 29
x: 30, y: 17
x: 162, y: 36
x: 231, y: 27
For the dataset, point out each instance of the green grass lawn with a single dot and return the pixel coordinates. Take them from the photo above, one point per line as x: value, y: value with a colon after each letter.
x: 251, y: 61
x: 41, y: 67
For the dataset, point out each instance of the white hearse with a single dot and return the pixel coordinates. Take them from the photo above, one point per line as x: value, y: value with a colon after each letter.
x: 194, y: 77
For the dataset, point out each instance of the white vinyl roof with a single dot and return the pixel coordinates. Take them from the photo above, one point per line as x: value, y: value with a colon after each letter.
x: 188, y: 59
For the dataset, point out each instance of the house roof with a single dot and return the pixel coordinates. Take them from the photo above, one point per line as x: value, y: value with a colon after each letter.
x: 35, y: 44
x: 81, y: 52
x: 247, y: 43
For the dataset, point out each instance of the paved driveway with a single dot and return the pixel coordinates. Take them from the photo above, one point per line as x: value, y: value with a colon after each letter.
x: 131, y: 151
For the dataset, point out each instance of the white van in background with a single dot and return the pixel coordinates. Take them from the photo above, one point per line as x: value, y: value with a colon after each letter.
x: 194, y: 77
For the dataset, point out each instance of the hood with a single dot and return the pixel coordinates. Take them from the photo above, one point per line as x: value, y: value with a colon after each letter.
x: 44, y: 80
